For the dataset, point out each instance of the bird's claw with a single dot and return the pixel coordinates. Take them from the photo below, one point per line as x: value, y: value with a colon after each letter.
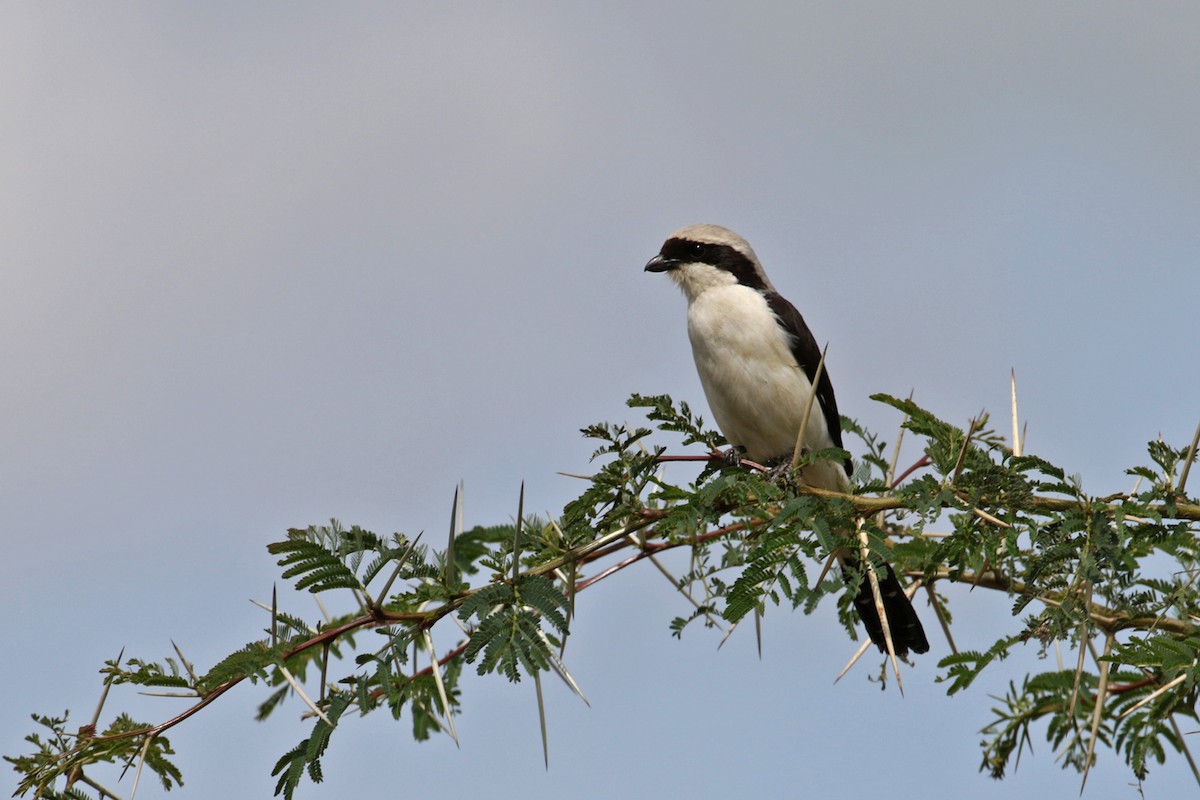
x: 733, y: 456
x: 781, y: 473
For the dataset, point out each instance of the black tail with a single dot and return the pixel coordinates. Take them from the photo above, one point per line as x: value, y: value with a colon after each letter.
x: 905, y: 626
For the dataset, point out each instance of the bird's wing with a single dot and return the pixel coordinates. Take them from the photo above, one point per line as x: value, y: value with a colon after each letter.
x: 808, y: 355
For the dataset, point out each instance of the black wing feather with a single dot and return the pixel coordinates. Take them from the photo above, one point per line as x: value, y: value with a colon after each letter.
x: 808, y: 355
x: 903, y: 622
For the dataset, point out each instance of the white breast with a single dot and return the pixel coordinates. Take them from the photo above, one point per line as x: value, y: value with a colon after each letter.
x: 755, y: 388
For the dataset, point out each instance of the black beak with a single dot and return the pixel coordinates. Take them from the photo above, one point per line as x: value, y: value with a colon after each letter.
x: 661, y: 264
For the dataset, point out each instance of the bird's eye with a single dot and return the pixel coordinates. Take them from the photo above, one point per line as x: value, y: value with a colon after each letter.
x: 697, y: 249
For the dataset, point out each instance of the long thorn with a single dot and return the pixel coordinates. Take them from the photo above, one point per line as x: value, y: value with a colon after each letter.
x: 1078, y: 673
x: 76, y: 773
x: 137, y: 775
x: 516, y: 573
x: 436, y: 669
x: 324, y: 669
x: 758, y: 631
x: 303, y: 695
x: 728, y: 633
x: 891, y: 473
x: 812, y: 396
x: 272, y: 612
x: 187, y: 665
x: 537, y: 683
x: 1098, y: 711
x: 1183, y: 746
x: 1016, y: 427
x: 561, y: 670
x: 825, y: 570
x: 986, y: 517
x: 877, y: 596
x: 455, y: 525
x: 909, y: 591
x: 975, y: 424
x: 572, y: 574
x: 1187, y: 462
x: 104, y: 692
x: 940, y: 613
x: 891, y: 470
x: 321, y: 607
x: 104, y: 791
x: 1083, y: 642
x: 862, y: 648
x: 387, y: 587
x: 1150, y: 697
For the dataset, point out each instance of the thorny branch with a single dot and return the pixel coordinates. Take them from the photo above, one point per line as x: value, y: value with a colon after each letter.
x: 1106, y: 619
x: 644, y: 532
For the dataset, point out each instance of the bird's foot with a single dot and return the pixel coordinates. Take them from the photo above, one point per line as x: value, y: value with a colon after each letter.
x: 733, y: 456
x: 782, y: 474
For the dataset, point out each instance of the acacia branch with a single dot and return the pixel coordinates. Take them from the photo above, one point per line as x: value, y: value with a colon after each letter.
x: 619, y: 540
x: 1041, y: 503
x: 1105, y: 618
x: 872, y: 505
x: 418, y: 620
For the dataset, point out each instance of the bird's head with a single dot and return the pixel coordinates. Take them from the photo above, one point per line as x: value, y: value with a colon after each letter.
x: 702, y: 257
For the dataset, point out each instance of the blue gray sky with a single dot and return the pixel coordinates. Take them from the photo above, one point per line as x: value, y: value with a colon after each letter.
x: 268, y: 264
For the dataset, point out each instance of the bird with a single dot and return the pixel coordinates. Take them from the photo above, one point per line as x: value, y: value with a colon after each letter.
x: 757, y: 361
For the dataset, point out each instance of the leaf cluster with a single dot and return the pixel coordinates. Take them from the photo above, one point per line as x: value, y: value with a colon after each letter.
x: 1080, y: 572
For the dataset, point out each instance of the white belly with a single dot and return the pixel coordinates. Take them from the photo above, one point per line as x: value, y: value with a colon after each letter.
x: 755, y: 388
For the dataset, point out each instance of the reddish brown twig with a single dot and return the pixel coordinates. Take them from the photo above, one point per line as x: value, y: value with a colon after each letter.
x: 923, y: 461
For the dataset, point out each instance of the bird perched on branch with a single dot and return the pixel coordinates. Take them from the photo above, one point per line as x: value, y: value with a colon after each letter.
x: 758, y: 362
